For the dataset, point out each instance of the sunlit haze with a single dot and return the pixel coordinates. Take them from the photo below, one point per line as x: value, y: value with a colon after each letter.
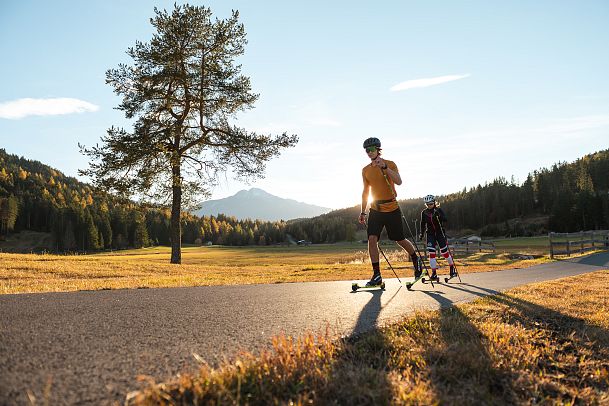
x: 459, y: 93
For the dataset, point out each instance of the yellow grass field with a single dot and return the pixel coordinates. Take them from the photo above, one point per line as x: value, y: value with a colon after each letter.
x: 216, y: 265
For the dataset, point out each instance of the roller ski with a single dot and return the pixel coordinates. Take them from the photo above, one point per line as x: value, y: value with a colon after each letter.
x: 375, y: 283
x: 356, y: 286
x: 433, y: 278
x: 453, y: 274
x: 421, y: 278
x: 419, y: 275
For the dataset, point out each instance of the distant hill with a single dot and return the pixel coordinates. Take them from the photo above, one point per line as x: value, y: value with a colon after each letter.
x: 258, y: 204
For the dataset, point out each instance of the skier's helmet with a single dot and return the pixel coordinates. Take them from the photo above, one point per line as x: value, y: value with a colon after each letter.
x: 372, y: 142
x: 429, y: 199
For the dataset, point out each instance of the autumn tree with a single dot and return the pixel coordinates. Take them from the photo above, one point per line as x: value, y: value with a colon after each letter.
x: 182, y: 91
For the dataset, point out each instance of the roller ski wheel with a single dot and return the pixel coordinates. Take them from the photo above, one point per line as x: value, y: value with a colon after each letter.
x: 449, y: 278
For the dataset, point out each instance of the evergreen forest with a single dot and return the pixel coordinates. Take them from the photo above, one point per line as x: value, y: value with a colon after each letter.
x: 564, y: 198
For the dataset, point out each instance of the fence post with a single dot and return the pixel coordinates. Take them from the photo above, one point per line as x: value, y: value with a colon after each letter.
x: 592, y: 238
x: 551, y: 246
x: 568, y: 247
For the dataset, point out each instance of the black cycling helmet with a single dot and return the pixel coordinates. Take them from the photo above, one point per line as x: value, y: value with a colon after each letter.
x: 370, y: 142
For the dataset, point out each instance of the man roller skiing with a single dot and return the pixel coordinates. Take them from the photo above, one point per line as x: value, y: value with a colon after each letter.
x: 432, y: 219
x: 380, y: 177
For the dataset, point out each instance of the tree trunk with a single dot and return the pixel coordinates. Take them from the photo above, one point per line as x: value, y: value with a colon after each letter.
x: 176, y: 227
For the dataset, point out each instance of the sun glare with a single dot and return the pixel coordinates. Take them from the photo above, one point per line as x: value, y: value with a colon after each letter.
x: 370, y: 199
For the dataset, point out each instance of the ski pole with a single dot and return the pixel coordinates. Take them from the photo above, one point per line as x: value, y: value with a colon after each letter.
x: 389, y: 263
x: 448, y: 246
x: 417, y: 249
x: 381, y: 250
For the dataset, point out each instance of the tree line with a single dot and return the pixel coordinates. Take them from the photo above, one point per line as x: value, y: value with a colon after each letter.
x: 39, y: 198
x: 565, y: 197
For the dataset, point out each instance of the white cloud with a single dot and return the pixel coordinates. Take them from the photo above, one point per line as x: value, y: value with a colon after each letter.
x: 426, y: 82
x: 17, y: 109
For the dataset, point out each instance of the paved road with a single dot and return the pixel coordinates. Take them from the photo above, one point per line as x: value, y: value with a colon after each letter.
x: 88, y: 347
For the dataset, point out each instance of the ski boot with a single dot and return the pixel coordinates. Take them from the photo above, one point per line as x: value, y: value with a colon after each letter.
x: 453, y: 271
x: 434, y: 276
x: 453, y: 274
x: 418, y: 267
x: 375, y: 281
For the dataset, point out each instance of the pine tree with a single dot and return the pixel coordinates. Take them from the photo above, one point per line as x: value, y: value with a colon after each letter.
x: 182, y: 90
x: 69, y: 240
x: 91, y: 233
x: 140, y: 234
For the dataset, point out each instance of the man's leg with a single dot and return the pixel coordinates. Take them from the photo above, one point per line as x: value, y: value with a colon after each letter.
x: 375, y: 227
x: 373, y: 251
x: 407, y: 245
x: 416, y: 261
x: 395, y: 232
x: 373, y: 248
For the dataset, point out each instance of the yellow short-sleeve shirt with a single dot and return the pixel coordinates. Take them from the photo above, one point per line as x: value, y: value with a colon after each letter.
x: 381, y: 185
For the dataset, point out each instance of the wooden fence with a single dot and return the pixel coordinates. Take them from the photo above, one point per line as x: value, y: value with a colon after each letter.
x: 462, y: 246
x: 577, y: 243
x: 467, y: 246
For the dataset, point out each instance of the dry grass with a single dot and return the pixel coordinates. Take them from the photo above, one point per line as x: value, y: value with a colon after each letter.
x: 546, y: 343
x: 150, y: 268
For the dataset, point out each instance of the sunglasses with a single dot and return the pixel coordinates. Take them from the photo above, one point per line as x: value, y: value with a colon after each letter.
x: 430, y: 204
x: 371, y: 149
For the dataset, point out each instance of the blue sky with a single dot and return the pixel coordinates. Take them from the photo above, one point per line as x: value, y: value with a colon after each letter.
x: 458, y: 92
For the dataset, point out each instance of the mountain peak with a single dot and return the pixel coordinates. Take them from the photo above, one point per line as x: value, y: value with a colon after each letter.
x: 259, y: 192
x: 259, y: 204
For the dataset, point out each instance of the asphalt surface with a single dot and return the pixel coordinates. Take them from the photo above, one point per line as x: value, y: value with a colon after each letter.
x: 89, y: 347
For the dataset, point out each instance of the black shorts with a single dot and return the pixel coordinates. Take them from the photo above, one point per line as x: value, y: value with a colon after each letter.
x: 433, y: 239
x: 392, y: 221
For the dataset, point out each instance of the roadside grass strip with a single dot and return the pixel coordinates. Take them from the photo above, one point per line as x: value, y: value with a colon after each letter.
x: 202, y: 266
x: 544, y: 343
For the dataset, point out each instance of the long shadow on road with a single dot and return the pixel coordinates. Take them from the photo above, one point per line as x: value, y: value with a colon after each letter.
x: 461, y: 368
x: 362, y: 366
x: 368, y: 317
